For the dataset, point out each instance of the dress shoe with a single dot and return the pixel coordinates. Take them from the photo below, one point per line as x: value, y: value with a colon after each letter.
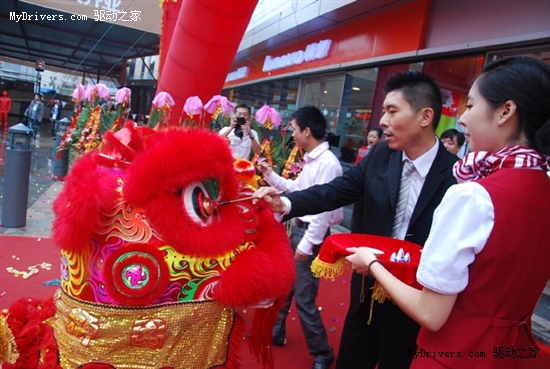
x: 319, y: 365
x: 279, y: 343
x: 323, y: 362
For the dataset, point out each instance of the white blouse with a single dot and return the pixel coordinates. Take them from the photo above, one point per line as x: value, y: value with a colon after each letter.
x: 461, y: 227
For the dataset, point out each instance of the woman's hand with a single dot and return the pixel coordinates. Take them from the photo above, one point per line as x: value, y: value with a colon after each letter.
x: 271, y: 198
x: 360, y: 258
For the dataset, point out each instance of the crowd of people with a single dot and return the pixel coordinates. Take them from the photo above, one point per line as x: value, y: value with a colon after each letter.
x: 476, y: 199
x: 481, y: 221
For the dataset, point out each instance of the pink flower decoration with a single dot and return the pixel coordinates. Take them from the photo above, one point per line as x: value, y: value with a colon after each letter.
x: 268, y: 116
x: 78, y: 93
x: 193, y: 106
x: 123, y: 96
x: 88, y: 92
x: 219, y: 102
x: 102, y: 91
x: 163, y: 100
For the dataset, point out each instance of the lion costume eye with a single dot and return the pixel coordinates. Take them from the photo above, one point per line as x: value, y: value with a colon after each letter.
x: 199, y: 201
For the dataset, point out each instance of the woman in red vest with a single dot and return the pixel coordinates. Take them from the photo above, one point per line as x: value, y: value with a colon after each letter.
x: 485, y: 263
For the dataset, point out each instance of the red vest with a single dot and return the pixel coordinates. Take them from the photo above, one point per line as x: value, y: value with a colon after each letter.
x: 492, y: 316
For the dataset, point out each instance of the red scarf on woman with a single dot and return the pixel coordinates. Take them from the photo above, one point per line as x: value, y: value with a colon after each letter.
x: 481, y: 163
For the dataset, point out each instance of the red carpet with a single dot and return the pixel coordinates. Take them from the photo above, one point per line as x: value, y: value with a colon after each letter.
x: 22, y: 252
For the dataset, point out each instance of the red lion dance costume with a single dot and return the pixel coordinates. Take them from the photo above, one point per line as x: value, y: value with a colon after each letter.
x: 153, y: 263
x: 154, y: 260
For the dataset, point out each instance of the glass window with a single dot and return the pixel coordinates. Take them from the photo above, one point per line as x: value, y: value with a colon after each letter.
x: 324, y: 92
x: 356, y: 110
x: 455, y: 77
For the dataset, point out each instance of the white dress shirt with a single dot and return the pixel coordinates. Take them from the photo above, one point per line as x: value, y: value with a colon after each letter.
x: 422, y: 166
x: 241, y: 148
x: 321, y: 166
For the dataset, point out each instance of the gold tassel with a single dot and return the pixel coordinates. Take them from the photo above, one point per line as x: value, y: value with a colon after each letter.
x: 326, y: 270
x: 378, y: 294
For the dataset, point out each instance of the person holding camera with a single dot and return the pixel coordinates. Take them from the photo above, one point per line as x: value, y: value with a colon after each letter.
x: 242, y: 138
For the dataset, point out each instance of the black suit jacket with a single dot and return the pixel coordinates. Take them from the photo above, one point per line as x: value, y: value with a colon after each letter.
x: 373, y: 184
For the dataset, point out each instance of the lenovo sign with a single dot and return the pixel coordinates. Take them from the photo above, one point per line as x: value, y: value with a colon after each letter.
x: 315, y: 51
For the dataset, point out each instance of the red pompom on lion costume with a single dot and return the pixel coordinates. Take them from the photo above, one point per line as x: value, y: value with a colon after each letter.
x: 153, y: 264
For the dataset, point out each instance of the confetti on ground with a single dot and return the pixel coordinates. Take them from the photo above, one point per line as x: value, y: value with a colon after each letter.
x: 33, y: 269
x: 53, y: 282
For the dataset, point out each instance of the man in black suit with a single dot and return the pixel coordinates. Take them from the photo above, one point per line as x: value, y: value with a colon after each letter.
x: 412, y: 109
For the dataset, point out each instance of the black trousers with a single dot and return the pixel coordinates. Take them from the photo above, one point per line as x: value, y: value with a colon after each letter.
x: 304, y: 293
x: 390, y: 339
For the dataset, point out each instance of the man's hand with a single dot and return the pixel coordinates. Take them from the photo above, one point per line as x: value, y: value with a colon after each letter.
x: 271, y: 198
x: 300, y: 256
x: 247, y: 130
x: 264, y: 168
x: 233, y: 122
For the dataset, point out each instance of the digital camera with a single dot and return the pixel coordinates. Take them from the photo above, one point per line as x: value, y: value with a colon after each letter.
x: 238, y: 127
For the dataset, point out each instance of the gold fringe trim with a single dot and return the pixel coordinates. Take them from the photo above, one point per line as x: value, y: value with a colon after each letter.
x: 378, y: 294
x: 8, y: 347
x: 326, y: 270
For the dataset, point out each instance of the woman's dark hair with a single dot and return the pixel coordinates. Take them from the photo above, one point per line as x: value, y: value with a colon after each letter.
x: 526, y: 81
x: 419, y: 90
x: 312, y: 118
x: 378, y: 131
x: 452, y: 133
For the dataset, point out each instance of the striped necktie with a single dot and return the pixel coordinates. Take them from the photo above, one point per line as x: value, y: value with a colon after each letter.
x: 403, y: 198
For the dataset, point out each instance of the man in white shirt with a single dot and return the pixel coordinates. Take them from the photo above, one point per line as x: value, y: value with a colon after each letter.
x: 321, y: 166
x: 242, y: 138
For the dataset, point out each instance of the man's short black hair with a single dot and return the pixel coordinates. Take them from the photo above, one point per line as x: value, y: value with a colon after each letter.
x: 419, y: 90
x: 242, y: 105
x: 312, y: 118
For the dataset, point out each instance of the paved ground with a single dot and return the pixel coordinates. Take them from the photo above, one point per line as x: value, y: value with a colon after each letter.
x: 42, y: 188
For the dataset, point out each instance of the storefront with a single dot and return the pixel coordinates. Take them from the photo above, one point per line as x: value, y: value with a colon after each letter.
x: 342, y: 70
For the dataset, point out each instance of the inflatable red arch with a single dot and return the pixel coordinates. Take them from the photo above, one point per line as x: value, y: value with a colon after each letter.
x: 199, y: 41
